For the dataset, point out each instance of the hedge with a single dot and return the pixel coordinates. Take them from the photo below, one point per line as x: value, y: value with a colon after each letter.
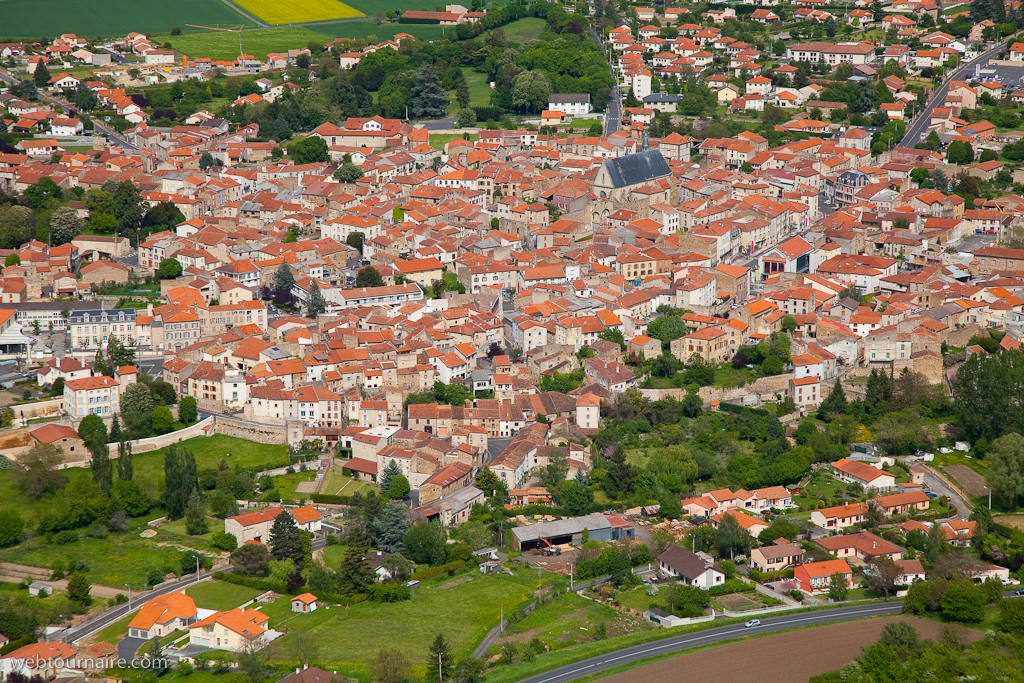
x: 431, y: 572
x: 15, y: 644
x: 1002, y: 529
x: 733, y: 408
x: 488, y: 113
x: 764, y: 577
x: 326, y: 499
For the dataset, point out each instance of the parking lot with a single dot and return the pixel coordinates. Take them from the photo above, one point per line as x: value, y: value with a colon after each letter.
x: 1009, y: 76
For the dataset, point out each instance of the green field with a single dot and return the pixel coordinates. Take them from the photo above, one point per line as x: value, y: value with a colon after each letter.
x: 464, y: 609
x: 286, y: 483
x: 258, y: 42
x: 338, y: 484
x: 35, y: 18
x: 525, y: 30
x: 113, y: 633
x: 479, y: 88
x: 566, y: 622
x: 370, y: 8
x: 220, y: 595
x: 439, y: 141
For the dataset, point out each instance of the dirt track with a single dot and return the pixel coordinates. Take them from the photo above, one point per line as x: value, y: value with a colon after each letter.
x: 784, y: 658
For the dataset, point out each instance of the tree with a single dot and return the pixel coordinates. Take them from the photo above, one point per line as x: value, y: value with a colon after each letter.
x: 310, y: 150
x: 389, y: 666
x: 788, y: 323
x: 65, y: 225
x: 115, y: 426
x: 879, y: 389
x: 428, y: 95
x: 441, y: 661
x: 137, y: 410
x: 78, y: 589
x: 391, y: 525
x: 425, y: 543
x: 195, y: 514
x: 205, y: 161
x: 369, y: 277
x: 573, y: 497
x: 348, y: 172
x: 834, y: 404
x: 187, y: 410
x: 530, y: 91
x: 730, y: 538
x: 13, y: 259
x: 354, y: 573
x: 11, y: 527
x: 615, y: 336
x: 102, y: 469
x: 960, y: 152
x: 398, y: 566
x: 399, y: 488
x: 315, y: 305
x: 884, y: 574
x: 466, y: 117
x: 779, y: 528
x: 92, y: 425
x: 963, y: 602
x: 37, y: 472
x: 169, y: 269
x: 163, y: 421
x: 390, y: 470
x: 251, y: 559
x: 254, y: 662
x: 283, y: 278
x: 180, y: 479
x: 41, y: 76
x: 772, y: 365
x: 285, y: 539
x: 837, y: 587
x: 355, y: 240
x: 1005, y: 474
x: 125, y: 466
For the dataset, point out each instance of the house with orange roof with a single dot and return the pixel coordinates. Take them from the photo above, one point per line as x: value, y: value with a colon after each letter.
x: 163, y: 615
x: 304, y: 603
x: 752, y: 525
x: 840, y: 516
x: 816, y: 577
x: 871, y: 478
x: 237, y: 631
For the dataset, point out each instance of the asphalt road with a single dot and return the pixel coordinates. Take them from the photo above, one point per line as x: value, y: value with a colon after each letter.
x: 686, y: 641
x: 936, y: 485
x: 920, y: 124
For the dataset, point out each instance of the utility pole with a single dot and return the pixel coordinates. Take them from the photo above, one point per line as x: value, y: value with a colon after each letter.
x: 538, y: 581
x: 440, y: 673
x: 129, y: 597
x: 197, y: 567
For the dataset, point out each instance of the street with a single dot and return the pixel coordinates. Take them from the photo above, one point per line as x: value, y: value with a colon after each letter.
x: 917, y: 129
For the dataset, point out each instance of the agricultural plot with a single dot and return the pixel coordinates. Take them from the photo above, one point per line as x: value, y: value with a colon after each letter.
x: 365, y: 29
x: 296, y: 11
x: 36, y: 18
x: 972, y: 483
x: 371, y: 7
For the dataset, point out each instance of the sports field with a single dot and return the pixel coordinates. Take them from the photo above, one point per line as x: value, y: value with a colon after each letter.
x: 92, y: 18
x: 296, y: 11
x: 257, y: 42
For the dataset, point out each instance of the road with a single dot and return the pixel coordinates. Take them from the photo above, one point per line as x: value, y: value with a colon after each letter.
x: 613, y: 111
x: 920, y: 125
x: 630, y: 655
x: 936, y: 485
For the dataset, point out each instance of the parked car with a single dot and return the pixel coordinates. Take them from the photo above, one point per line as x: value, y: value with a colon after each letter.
x: 1019, y: 591
x: 752, y: 623
x: 1007, y: 582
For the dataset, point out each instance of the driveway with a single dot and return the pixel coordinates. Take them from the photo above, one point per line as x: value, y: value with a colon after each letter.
x: 936, y: 484
x: 127, y: 648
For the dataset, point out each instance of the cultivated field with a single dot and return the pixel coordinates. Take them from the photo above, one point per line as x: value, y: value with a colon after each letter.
x: 1011, y: 520
x: 372, y: 7
x: 791, y: 657
x: 970, y: 481
x: 295, y: 11
x: 363, y: 29
x: 36, y: 18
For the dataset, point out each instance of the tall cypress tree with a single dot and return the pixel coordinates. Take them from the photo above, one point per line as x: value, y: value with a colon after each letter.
x: 354, y: 573
x: 115, y: 428
x: 125, y: 466
x: 102, y: 470
x: 172, y: 482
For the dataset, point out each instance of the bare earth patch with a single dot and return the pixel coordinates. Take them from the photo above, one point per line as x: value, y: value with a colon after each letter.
x: 970, y: 481
x: 791, y: 657
x: 1011, y: 520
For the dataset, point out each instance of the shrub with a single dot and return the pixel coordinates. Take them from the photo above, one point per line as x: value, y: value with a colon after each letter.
x: 389, y: 592
x: 65, y: 537
x: 223, y: 541
x: 325, y: 499
x: 431, y: 572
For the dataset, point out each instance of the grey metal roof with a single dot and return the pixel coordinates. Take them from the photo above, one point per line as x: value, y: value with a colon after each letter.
x: 661, y: 97
x: 561, y: 527
x: 634, y: 169
x: 569, y: 98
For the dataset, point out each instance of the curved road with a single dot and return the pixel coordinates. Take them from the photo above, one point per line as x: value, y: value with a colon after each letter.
x: 920, y: 125
x: 686, y: 641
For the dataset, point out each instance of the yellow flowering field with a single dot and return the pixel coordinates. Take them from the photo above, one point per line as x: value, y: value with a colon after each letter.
x: 278, y: 12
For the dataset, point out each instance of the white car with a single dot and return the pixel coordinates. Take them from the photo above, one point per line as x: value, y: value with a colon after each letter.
x: 752, y: 623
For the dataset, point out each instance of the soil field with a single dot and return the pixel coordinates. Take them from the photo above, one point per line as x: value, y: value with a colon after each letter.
x: 970, y: 481
x: 1011, y: 520
x: 793, y: 657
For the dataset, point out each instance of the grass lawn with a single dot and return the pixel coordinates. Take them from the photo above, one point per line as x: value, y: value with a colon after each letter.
x: 286, y: 483
x: 91, y: 18
x: 259, y: 42
x: 728, y: 377
x: 439, y: 141
x: 637, y: 598
x: 220, y: 595
x: 464, y: 609
x: 338, y: 484
x: 333, y: 555
x: 566, y: 622
x: 113, y: 633
x: 177, y: 527
x: 525, y: 30
x: 210, y: 450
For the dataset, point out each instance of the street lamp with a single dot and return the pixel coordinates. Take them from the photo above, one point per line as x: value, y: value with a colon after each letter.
x: 989, y: 496
x: 65, y: 626
x: 129, y: 596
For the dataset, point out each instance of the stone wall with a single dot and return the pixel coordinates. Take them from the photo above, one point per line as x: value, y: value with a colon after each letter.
x: 252, y: 431
x: 765, y: 388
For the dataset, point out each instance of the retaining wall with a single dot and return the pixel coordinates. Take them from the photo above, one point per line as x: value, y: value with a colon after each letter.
x: 252, y: 431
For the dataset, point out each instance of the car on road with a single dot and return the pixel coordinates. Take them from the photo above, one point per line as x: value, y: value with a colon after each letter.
x: 1019, y: 591
x: 752, y: 623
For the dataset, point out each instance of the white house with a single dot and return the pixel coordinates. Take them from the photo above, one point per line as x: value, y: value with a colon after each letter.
x: 689, y: 567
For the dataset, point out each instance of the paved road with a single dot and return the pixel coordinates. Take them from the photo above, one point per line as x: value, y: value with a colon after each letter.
x: 936, y: 485
x: 630, y: 655
x: 613, y: 110
x: 108, y: 617
x: 920, y: 125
